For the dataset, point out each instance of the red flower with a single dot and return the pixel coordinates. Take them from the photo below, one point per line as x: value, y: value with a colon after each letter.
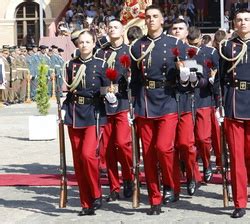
x: 125, y: 61
x: 191, y: 52
x: 111, y: 74
x: 176, y: 51
x: 209, y: 63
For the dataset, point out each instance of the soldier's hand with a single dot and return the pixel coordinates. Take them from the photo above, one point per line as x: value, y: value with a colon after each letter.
x: 63, y: 113
x: 184, y: 74
x: 111, y: 98
x: 220, y: 114
x: 130, y: 120
x: 193, y: 77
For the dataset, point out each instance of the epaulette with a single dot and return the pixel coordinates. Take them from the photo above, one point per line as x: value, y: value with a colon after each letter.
x: 213, y: 49
x: 174, y: 37
x: 101, y: 59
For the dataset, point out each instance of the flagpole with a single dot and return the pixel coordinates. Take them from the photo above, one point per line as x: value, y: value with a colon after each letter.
x: 222, y: 14
x: 41, y: 18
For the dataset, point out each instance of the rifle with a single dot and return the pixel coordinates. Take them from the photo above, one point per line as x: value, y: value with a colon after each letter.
x: 224, y: 157
x: 135, y: 152
x: 63, y: 166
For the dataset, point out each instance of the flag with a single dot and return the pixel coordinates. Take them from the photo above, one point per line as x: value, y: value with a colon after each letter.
x: 133, y: 14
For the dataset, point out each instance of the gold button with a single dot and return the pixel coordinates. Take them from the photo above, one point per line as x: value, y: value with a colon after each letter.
x: 164, y: 52
x: 94, y: 71
x: 93, y: 84
x: 94, y: 66
x: 93, y: 78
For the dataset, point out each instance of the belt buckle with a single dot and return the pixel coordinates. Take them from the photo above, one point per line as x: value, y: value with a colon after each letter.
x: 80, y: 100
x: 243, y: 86
x: 151, y: 84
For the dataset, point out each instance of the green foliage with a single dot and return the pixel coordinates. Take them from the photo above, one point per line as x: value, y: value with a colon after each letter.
x: 42, y: 97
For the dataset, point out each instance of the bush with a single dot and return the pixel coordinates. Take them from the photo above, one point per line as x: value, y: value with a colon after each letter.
x: 42, y: 97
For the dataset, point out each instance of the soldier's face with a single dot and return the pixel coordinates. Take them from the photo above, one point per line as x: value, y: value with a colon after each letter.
x: 154, y: 20
x: 115, y: 30
x: 86, y: 44
x: 179, y: 30
x: 242, y: 23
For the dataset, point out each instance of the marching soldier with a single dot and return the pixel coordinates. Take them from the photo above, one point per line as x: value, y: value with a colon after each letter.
x: 117, y: 143
x: 235, y: 85
x: 185, y: 141
x: 85, y: 115
x: 153, y: 79
x: 203, y: 99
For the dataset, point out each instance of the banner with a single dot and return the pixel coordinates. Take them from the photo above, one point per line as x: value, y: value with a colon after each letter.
x: 133, y: 14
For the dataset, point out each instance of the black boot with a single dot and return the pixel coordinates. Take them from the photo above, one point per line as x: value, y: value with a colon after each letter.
x: 114, y: 196
x: 86, y: 211
x: 169, y: 196
x: 97, y: 203
x: 238, y: 213
x: 154, y: 210
x: 127, y: 188
x: 208, y: 174
x: 191, y: 187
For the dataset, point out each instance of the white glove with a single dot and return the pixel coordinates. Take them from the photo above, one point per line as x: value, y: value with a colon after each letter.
x: 184, y: 74
x: 193, y: 77
x: 111, y: 98
x: 63, y: 113
x: 130, y: 120
x: 219, y: 114
x: 211, y: 80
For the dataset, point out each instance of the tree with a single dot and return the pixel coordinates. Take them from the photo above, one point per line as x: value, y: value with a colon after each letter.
x: 42, y: 97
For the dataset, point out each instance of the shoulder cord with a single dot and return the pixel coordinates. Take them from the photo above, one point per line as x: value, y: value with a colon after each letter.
x: 149, y: 50
x: 238, y: 58
x: 80, y: 73
x: 111, y: 59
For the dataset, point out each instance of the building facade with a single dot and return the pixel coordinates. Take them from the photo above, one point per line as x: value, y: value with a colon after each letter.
x: 19, y: 19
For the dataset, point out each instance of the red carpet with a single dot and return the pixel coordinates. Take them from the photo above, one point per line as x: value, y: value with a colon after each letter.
x: 54, y: 180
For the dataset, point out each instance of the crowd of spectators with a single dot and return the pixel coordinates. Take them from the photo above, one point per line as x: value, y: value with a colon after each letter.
x: 83, y: 14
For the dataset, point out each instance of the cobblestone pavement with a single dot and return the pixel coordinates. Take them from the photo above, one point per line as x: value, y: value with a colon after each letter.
x: 36, y: 204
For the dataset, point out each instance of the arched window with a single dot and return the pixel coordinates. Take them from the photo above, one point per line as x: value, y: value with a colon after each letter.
x: 27, y: 23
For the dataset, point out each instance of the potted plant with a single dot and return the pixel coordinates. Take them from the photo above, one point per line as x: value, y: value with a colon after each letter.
x: 43, y: 126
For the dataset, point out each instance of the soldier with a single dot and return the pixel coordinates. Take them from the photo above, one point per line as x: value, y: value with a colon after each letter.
x: 153, y: 77
x: 2, y: 75
x: 117, y: 143
x: 235, y: 85
x: 22, y: 71
x: 185, y: 141
x: 15, y: 78
x: 29, y: 58
x: 58, y: 71
x: 8, y: 92
x: 203, y: 99
x: 85, y: 113
x: 44, y: 58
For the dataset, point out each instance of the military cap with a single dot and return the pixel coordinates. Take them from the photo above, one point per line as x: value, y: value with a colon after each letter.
x: 6, y: 46
x: 34, y: 45
x: 22, y: 48
x: 54, y: 46
x: 42, y: 47
x: 74, y: 35
x: 60, y: 50
x: 29, y: 48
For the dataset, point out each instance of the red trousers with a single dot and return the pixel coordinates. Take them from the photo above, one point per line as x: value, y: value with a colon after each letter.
x: 185, y: 148
x: 118, y: 145
x: 215, y: 137
x: 158, y: 137
x: 84, y: 145
x: 238, y: 138
x: 203, y: 134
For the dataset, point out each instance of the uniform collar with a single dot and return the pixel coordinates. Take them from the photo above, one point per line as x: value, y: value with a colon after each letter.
x: 116, y: 48
x: 85, y: 60
x: 154, y: 39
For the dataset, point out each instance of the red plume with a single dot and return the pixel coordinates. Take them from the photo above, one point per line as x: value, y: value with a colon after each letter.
x: 176, y: 51
x: 191, y: 52
x: 125, y: 61
x: 209, y: 63
x: 111, y: 74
